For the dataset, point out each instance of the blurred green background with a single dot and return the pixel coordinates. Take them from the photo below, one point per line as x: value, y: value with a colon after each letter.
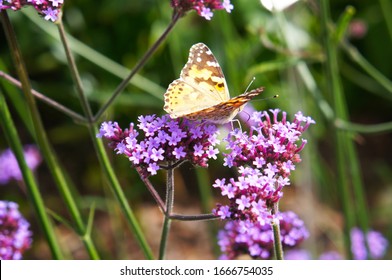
x: 283, y: 51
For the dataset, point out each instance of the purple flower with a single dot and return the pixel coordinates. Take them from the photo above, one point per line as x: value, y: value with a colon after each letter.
x: 56, y: 3
x: 244, y: 237
x: 50, y: 14
x: 227, y: 6
x: 50, y: 9
x: 265, y: 157
x: 162, y: 142
x: 206, y: 13
x: 377, y: 244
x: 9, y: 168
x: 297, y: 254
x: 330, y: 255
x: 204, y: 8
x: 15, y: 236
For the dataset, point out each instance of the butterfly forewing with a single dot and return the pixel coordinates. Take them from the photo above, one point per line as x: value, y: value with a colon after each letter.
x: 203, y: 72
x: 201, y: 91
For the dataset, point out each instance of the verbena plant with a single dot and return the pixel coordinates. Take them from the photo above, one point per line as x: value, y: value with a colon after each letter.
x: 250, y: 162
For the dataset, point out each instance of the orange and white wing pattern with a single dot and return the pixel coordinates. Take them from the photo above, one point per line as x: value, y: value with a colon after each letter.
x: 201, y: 91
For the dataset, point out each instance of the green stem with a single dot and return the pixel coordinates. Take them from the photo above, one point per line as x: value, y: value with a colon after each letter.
x: 32, y: 188
x: 364, y: 128
x: 42, y: 140
x: 75, y: 116
x: 198, y: 217
x: 75, y: 72
x: 169, y: 208
x: 207, y: 203
x: 343, y: 142
x: 95, y: 57
x: 138, y: 66
x: 357, y: 57
x: 100, y: 150
x: 120, y: 196
x: 277, y: 237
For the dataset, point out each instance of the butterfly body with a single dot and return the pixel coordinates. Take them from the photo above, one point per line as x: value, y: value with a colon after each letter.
x: 201, y: 92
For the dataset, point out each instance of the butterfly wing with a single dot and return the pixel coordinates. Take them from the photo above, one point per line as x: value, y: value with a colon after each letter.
x: 201, y: 84
x: 225, y: 111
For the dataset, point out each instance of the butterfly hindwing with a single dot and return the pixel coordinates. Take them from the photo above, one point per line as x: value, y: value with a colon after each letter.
x: 225, y: 111
x: 182, y: 99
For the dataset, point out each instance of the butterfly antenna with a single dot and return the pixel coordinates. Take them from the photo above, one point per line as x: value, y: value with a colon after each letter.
x: 251, y: 82
x: 265, y: 98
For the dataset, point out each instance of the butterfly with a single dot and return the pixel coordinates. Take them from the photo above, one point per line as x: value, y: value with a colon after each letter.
x: 201, y: 92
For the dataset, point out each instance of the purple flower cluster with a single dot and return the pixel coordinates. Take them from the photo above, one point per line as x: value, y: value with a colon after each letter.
x: 376, y: 242
x: 15, y: 236
x: 162, y: 142
x: 265, y: 157
x: 204, y: 8
x: 245, y: 237
x: 49, y: 9
x: 9, y: 168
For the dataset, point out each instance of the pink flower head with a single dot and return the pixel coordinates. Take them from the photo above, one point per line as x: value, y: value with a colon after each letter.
x: 204, y: 8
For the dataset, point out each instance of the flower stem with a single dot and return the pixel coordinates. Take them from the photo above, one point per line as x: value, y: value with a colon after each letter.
x: 357, y: 57
x: 276, y: 230
x: 100, y: 150
x: 28, y: 177
x: 347, y: 160
x: 152, y: 190
x: 41, y: 137
x: 138, y: 66
x: 198, y: 217
x: 169, y: 207
x: 75, y: 72
x: 75, y: 116
x: 364, y: 128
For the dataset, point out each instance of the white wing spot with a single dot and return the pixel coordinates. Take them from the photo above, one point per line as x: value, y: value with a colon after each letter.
x: 212, y: 63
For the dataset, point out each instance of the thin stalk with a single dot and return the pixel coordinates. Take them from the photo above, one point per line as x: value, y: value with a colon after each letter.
x: 75, y: 73
x: 152, y: 190
x: 277, y: 237
x: 121, y: 198
x: 100, y: 150
x: 341, y: 137
x: 358, y: 191
x: 42, y: 140
x: 169, y: 208
x: 357, y: 57
x: 28, y: 177
x: 198, y: 217
x: 364, y: 128
x: 138, y: 66
x: 95, y: 57
x: 59, y: 107
x: 207, y: 203
x: 162, y: 206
